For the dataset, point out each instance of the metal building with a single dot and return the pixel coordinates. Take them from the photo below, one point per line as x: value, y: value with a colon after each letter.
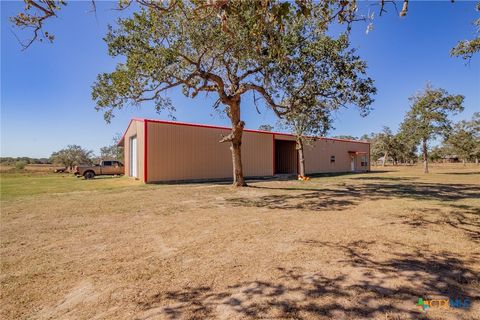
x: 161, y: 151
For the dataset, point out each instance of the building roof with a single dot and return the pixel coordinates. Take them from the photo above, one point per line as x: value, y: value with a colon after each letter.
x: 227, y: 128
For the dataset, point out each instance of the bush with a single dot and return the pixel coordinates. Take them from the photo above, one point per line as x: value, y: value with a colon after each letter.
x: 20, y: 165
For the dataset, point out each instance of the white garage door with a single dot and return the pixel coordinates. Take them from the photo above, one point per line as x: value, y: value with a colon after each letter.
x: 133, y: 157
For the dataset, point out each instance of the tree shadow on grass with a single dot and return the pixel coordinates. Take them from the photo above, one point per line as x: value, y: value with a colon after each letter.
x: 460, y: 216
x: 348, y: 173
x: 375, y: 288
x: 464, y: 217
x: 316, y: 200
x: 347, y: 196
x: 385, y: 178
x: 461, y: 173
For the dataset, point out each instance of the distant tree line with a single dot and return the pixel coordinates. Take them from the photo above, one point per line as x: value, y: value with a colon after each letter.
x: 427, y: 120
x: 26, y: 160
x: 459, y: 142
x: 70, y: 156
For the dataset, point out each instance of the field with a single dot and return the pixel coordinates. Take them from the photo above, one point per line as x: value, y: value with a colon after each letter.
x: 354, y: 246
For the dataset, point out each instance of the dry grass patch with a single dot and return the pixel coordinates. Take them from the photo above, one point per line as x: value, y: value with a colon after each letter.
x: 359, y: 246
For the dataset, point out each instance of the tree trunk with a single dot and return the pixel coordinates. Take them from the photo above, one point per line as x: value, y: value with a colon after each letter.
x: 425, y: 156
x: 385, y: 156
x: 301, y: 157
x: 464, y: 162
x: 235, y: 138
x: 476, y: 161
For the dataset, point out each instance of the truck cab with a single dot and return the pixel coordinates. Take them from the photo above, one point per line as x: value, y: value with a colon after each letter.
x: 106, y: 167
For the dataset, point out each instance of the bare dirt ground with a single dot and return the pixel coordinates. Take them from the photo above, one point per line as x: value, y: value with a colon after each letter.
x: 358, y: 246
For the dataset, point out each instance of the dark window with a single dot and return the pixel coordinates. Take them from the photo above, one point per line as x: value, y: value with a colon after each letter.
x: 107, y: 163
x: 332, y: 159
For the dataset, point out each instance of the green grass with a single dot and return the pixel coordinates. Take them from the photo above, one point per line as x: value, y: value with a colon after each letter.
x: 14, y: 185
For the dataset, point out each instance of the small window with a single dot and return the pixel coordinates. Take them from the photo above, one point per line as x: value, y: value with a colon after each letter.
x: 332, y: 159
x: 107, y: 163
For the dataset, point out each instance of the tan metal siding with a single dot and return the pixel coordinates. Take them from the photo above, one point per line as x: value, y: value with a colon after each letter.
x: 257, y: 154
x: 141, y: 149
x: 182, y: 152
x: 188, y: 152
x: 318, y: 153
x: 135, y: 128
x: 177, y: 152
x: 131, y: 131
x: 284, y: 137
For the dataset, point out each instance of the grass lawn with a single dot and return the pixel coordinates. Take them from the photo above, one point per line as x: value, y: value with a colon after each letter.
x: 356, y: 246
x: 15, y: 185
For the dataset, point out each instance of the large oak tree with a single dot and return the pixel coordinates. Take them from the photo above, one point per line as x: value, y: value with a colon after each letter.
x: 245, y: 49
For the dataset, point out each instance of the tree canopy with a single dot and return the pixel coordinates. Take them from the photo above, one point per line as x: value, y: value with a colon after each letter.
x: 385, y: 141
x: 429, y: 116
x: 38, y: 12
x: 72, y: 155
x: 467, y: 48
x: 265, y: 127
x: 464, y: 139
x: 113, y: 151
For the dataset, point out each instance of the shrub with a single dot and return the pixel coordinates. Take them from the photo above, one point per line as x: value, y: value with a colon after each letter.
x: 20, y: 165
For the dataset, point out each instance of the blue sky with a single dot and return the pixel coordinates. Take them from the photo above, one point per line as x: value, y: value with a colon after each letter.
x: 45, y: 90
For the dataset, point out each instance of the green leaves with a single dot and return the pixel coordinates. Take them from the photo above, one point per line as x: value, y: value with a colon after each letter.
x: 72, y: 155
x: 467, y: 48
x: 319, y: 75
x: 464, y: 139
x: 430, y: 111
x: 274, y: 48
x: 429, y: 116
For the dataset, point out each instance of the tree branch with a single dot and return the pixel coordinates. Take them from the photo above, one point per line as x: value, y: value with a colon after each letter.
x: 268, y: 98
x: 249, y: 73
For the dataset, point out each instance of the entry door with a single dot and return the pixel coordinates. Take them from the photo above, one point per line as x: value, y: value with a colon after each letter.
x: 286, y: 157
x: 133, y: 157
x: 352, y: 163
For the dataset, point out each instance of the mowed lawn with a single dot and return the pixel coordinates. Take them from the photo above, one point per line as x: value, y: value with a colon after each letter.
x: 355, y: 246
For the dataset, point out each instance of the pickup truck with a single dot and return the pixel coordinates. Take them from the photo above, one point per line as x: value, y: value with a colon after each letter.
x: 106, y: 167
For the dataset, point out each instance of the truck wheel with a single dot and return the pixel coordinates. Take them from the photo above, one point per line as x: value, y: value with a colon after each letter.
x: 89, y: 175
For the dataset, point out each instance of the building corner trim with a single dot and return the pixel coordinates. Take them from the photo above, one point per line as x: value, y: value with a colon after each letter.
x: 273, y: 162
x: 145, y: 150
